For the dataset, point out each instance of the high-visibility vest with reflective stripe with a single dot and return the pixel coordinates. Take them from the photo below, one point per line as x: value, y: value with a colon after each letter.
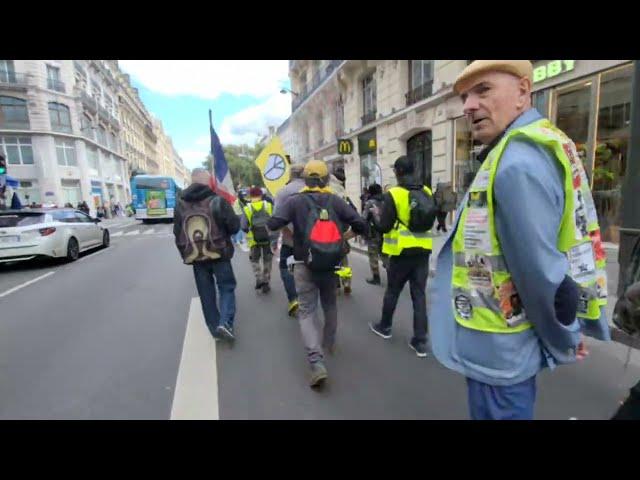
x: 400, y: 237
x: 484, y: 296
x: 248, y: 211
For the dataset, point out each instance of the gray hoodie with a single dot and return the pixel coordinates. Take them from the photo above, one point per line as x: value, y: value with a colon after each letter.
x: 293, y: 187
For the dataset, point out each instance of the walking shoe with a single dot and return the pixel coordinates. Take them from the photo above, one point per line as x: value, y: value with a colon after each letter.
x: 419, y: 347
x: 373, y: 281
x: 258, y: 285
x: 225, y: 333
x: 347, y: 290
x: 318, y: 375
x: 293, y: 308
x: 266, y: 288
x: 378, y: 330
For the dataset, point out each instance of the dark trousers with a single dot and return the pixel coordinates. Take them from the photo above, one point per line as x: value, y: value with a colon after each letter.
x: 415, y: 269
x: 207, y: 274
x: 287, y: 277
x: 442, y: 221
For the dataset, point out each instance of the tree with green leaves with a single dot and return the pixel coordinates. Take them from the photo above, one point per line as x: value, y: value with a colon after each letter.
x: 241, y: 160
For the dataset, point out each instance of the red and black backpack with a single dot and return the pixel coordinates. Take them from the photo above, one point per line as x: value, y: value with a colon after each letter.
x: 323, y: 237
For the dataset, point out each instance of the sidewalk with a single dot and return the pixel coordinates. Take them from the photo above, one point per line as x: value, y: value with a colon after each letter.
x: 613, y: 269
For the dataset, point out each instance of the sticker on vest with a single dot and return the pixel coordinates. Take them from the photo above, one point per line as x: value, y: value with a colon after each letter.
x: 476, y: 229
x: 598, y: 249
x: 481, y: 182
x: 583, y: 302
x: 583, y: 267
x: 477, y: 199
x: 580, y: 215
x: 479, y: 272
x: 463, y: 306
x: 601, y: 284
x: 510, y: 304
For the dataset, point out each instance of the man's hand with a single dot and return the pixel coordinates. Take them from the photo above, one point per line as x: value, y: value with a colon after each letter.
x: 582, y: 352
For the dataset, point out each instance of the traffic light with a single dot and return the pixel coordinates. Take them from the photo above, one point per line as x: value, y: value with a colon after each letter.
x: 3, y: 165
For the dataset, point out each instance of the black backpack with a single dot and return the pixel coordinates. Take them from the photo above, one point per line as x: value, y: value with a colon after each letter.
x: 422, y: 211
x: 259, y: 220
x: 200, y: 238
x: 323, y: 239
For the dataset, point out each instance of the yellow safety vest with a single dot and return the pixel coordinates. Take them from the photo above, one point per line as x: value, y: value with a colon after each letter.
x: 400, y: 237
x: 484, y: 296
x: 248, y: 211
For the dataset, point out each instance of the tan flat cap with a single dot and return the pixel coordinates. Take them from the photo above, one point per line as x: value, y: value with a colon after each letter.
x: 519, y: 68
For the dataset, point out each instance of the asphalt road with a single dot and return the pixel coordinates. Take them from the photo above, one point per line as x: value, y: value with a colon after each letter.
x: 118, y: 335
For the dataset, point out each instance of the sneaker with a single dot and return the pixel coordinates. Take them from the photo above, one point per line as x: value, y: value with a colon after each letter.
x: 318, y: 375
x: 258, y: 285
x: 419, y: 347
x: 225, y: 333
x: 373, y: 281
x: 266, y: 288
x: 293, y: 307
x: 378, y: 330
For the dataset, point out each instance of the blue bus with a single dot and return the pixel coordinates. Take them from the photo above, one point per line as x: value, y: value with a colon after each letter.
x: 154, y: 196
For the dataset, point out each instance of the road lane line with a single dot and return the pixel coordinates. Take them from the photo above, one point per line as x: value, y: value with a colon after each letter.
x: 117, y: 234
x: 149, y: 232
x: 132, y: 232
x: 26, y: 284
x: 196, y: 392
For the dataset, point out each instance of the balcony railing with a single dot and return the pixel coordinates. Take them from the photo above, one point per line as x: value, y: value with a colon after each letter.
x: 12, y: 78
x: 56, y: 85
x: 317, y: 79
x: 368, y: 117
x: 419, y: 93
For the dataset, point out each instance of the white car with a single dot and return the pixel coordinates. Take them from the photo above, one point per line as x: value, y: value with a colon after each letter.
x: 64, y: 232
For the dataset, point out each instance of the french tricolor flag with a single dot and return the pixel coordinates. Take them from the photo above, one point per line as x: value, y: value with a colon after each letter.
x: 221, y: 176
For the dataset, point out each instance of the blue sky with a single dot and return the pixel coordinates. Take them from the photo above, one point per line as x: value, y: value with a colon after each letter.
x: 243, y: 95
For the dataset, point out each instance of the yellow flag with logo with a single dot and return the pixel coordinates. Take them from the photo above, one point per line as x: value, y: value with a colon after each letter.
x: 274, y: 166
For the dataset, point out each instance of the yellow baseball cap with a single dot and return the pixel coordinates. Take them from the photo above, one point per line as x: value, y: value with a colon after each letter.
x: 315, y: 168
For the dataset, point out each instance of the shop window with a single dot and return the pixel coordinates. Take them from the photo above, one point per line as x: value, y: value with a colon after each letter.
x: 466, y: 164
x: 17, y: 150
x: 419, y: 152
x: 573, y: 107
x: 612, y: 144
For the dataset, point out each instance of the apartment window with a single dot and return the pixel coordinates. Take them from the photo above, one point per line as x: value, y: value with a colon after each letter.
x: 113, y: 142
x: 7, y: 72
x: 86, y: 126
x: 419, y: 152
x: 60, y: 117
x: 369, y: 94
x: 420, y: 80
x: 53, y: 79
x: 13, y: 113
x: 108, y: 103
x: 96, y: 91
x: 339, y: 117
x: 102, y: 135
x: 66, y: 152
x: 17, y: 150
x: 92, y: 160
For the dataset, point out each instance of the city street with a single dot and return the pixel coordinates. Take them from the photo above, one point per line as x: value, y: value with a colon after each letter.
x: 119, y: 334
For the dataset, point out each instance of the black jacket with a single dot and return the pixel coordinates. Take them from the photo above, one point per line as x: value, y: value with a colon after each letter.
x: 296, y: 211
x: 389, y: 217
x: 224, y: 216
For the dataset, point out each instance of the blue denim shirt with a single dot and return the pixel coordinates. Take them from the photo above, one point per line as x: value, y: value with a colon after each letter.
x: 529, y: 199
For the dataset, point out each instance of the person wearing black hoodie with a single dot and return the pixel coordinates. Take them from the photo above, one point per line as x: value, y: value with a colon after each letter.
x: 219, y: 322
x: 373, y: 203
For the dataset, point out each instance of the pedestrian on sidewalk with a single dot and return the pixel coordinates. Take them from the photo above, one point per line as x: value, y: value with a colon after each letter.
x: 319, y: 220
x: 445, y: 199
x: 373, y: 204
x: 203, y: 224
x: 254, y: 224
x: 523, y: 270
x: 295, y: 185
x: 407, y: 216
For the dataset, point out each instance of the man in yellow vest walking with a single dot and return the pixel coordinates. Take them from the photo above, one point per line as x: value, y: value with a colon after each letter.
x: 523, y: 270
x: 254, y: 222
x: 407, y: 215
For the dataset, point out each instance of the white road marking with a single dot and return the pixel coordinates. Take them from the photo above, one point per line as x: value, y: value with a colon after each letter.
x: 151, y: 231
x: 196, y: 392
x: 117, y: 234
x: 26, y: 284
x: 132, y: 232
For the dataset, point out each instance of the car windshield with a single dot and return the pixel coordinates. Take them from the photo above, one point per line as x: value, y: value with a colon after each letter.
x: 20, y: 219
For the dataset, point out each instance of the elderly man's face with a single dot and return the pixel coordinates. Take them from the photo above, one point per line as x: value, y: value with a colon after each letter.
x: 494, y: 101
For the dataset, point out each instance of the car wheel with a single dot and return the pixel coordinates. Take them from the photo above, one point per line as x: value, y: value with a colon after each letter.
x: 73, y: 250
x: 105, y: 239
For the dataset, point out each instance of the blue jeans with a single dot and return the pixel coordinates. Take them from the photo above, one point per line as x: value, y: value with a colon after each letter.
x: 287, y: 277
x: 207, y: 274
x: 511, y: 402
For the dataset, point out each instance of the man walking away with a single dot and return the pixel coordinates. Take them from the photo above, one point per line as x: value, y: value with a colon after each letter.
x: 295, y: 185
x: 408, y: 214
x: 374, y: 242
x: 254, y: 223
x: 319, y: 219
x: 203, y: 224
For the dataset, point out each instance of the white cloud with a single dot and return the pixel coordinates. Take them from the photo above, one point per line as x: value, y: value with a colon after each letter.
x: 193, y: 158
x: 209, y: 78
